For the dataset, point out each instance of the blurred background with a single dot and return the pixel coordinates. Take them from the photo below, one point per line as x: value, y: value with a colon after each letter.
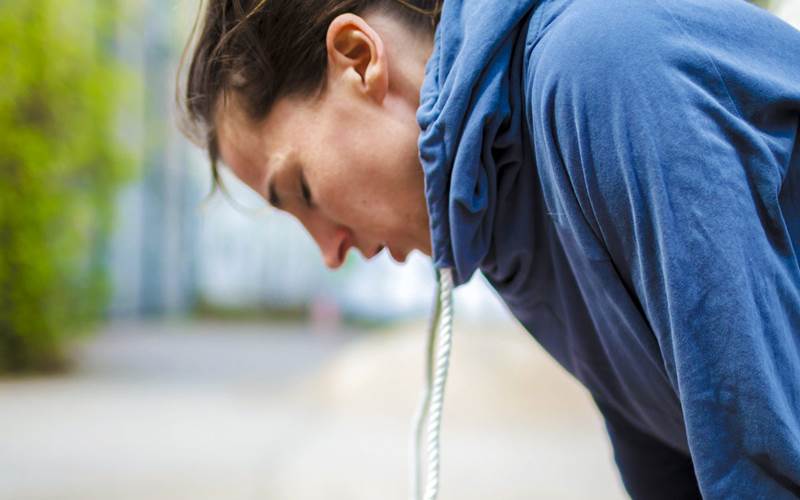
x: 158, y: 343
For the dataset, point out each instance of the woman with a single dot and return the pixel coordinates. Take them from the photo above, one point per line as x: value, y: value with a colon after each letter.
x: 626, y: 173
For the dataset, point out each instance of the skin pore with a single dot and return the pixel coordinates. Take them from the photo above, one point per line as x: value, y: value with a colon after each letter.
x: 344, y: 162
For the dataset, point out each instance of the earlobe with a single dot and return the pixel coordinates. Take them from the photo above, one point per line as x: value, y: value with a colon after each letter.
x: 356, y: 54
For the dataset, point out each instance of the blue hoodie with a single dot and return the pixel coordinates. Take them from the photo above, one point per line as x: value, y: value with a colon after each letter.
x: 626, y: 174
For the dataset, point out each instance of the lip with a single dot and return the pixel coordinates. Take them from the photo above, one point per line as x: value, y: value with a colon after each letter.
x: 375, y: 252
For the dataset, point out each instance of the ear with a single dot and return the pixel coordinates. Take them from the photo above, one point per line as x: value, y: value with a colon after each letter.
x: 357, y: 57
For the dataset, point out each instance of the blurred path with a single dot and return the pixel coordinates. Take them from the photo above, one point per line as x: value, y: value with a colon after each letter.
x: 227, y: 411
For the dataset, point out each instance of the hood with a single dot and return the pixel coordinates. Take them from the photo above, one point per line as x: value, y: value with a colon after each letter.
x: 470, y: 125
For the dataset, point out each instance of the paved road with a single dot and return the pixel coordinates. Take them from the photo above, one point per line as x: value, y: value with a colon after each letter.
x: 174, y: 411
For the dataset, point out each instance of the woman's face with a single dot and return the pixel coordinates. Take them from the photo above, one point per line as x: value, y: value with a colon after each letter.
x: 344, y: 163
x: 351, y: 176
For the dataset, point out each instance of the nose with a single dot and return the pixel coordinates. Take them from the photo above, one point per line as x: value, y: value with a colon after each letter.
x: 334, y: 245
x: 332, y: 238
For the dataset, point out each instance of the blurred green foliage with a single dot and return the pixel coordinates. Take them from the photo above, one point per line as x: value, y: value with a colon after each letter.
x: 766, y: 4
x: 61, y: 161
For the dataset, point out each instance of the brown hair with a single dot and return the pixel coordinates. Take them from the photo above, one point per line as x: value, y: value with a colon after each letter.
x: 263, y: 50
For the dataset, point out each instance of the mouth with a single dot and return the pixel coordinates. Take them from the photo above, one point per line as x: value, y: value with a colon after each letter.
x: 375, y: 252
x: 396, y: 256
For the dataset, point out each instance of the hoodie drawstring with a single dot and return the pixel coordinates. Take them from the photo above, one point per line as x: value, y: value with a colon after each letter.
x: 430, y: 406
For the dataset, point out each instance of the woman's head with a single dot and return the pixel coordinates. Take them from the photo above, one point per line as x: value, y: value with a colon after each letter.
x: 312, y: 104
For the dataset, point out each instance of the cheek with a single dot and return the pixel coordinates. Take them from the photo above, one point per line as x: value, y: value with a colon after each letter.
x: 349, y: 177
x: 369, y: 175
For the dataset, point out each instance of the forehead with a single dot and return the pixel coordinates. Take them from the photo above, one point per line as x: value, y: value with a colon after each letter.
x: 241, y: 143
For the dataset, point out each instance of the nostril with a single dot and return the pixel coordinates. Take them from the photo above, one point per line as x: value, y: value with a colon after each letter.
x: 335, y: 249
x: 341, y: 253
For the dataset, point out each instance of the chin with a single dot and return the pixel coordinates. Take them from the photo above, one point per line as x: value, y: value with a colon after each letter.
x: 398, y: 256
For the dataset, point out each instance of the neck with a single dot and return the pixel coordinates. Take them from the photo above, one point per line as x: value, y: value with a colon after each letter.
x: 408, y: 52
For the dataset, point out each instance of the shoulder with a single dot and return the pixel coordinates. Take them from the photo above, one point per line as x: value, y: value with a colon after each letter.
x: 607, y: 60
x: 614, y: 40
x: 597, y: 41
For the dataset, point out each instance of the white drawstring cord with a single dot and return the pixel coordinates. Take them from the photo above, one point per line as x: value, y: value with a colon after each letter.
x: 424, y: 403
x: 440, y: 329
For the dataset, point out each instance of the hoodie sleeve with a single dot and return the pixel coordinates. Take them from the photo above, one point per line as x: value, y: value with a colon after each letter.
x: 673, y: 137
